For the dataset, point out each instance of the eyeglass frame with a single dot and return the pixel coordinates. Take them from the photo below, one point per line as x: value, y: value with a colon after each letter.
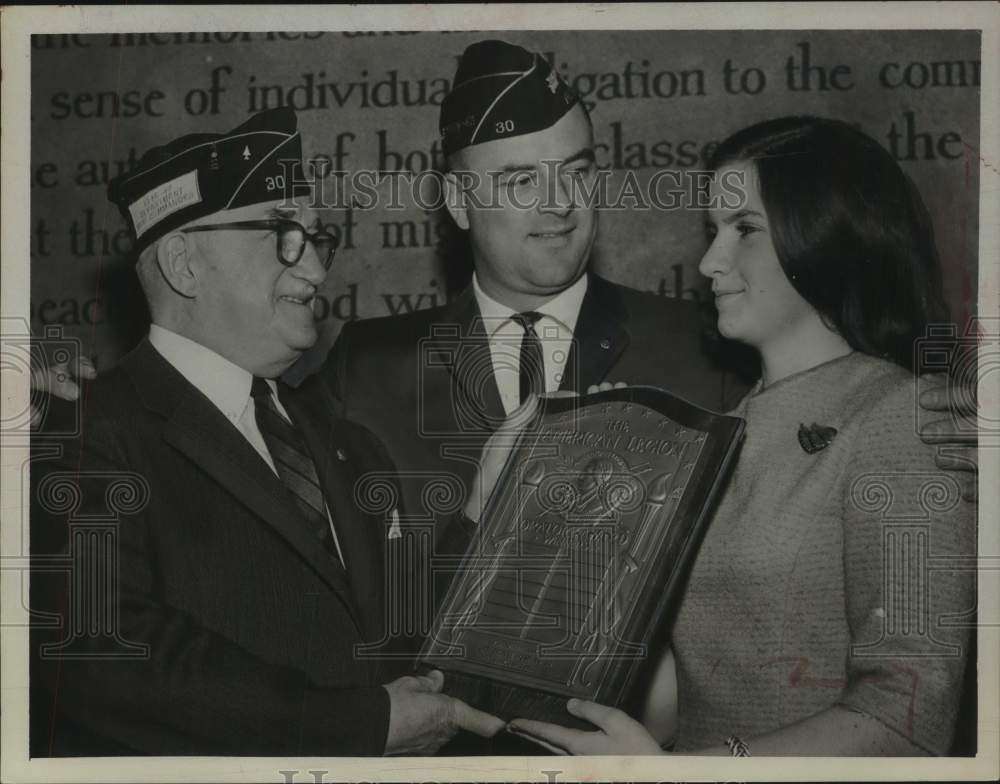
x: 275, y: 225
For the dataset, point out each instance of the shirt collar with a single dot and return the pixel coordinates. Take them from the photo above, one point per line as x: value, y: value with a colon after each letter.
x: 225, y: 384
x: 564, y: 308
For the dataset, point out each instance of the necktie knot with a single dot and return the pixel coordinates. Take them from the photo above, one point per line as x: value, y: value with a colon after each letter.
x: 259, y: 388
x: 527, y: 320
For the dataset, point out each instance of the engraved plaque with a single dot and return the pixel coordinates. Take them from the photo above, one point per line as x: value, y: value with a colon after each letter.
x: 581, y: 552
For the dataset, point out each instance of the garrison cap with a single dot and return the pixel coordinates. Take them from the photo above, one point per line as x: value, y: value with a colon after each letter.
x: 202, y: 173
x: 501, y: 90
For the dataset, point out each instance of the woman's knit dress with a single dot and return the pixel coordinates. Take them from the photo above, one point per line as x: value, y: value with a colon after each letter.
x: 824, y: 578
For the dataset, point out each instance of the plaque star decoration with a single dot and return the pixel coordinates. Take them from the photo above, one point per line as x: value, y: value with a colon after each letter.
x: 552, y: 80
x: 816, y: 438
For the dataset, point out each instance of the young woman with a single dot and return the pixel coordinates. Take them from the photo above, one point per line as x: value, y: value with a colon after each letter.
x: 812, y: 623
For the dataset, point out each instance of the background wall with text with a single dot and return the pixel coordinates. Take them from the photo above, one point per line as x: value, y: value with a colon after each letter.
x: 369, y: 102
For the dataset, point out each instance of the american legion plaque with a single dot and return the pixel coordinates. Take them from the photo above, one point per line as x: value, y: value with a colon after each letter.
x: 581, y: 552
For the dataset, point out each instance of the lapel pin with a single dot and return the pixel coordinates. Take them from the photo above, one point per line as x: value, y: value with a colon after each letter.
x: 816, y: 438
x: 606, y: 344
x: 341, y: 456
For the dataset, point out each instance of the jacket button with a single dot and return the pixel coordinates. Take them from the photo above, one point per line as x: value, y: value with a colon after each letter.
x: 341, y: 456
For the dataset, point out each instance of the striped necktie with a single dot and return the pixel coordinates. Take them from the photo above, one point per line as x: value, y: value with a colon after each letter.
x: 293, y: 462
x: 532, y: 363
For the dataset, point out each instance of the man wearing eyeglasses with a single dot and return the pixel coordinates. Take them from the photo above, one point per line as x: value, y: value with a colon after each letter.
x: 240, y: 580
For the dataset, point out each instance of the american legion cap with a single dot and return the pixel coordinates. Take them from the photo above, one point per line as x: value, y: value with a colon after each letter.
x: 501, y: 90
x: 202, y: 173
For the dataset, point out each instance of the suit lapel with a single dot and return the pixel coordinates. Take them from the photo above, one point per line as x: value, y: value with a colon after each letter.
x: 361, y: 539
x: 197, y: 429
x: 465, y: 349
x: 599, y: 339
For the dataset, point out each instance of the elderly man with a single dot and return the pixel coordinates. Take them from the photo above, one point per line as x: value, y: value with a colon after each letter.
x: 242, y: 581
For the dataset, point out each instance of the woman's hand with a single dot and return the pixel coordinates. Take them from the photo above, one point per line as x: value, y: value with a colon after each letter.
x: 618, y: 733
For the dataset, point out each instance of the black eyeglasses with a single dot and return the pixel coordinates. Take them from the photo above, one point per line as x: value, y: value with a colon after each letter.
x: 292, y: 238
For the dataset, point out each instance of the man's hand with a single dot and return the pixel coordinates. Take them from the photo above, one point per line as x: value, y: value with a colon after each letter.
x: 618, y: 733
x: 954, y: 434
x: 60, y: 382
x: 422, y: 720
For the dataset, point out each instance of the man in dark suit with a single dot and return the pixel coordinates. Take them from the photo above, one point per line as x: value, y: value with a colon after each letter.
x: 434, y: 384
x: 206, y: 567
x: 426, y: 384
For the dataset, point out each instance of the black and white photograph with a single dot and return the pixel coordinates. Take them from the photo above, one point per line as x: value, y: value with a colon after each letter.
x: 501, y: 393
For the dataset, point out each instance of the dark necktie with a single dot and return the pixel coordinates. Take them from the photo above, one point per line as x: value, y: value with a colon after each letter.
x: 293, y: 462
x: 532, y: 364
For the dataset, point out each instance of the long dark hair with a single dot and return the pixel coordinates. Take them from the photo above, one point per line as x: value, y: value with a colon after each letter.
x: 849, y: 227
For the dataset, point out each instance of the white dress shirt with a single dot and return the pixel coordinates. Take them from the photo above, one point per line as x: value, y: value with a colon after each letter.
x: 227, y: 386
x: 555, y: 331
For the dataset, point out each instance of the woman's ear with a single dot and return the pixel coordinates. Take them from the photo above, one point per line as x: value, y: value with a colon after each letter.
x: 175, y: 258
x: 454, y: 195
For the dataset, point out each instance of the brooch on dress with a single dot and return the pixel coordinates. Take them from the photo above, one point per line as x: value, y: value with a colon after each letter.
x: 816, y: 438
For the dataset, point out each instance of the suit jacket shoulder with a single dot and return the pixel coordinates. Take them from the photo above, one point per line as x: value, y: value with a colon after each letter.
x: 386, y: 339
x: 376, y: 358
x: 641, y: 338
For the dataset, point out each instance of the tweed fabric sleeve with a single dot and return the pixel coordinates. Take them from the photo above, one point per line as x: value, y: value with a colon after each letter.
x: 905, y: 526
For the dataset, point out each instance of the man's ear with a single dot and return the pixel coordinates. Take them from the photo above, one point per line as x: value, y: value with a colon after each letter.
x: 175, y: 257
x: 455, y: 200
